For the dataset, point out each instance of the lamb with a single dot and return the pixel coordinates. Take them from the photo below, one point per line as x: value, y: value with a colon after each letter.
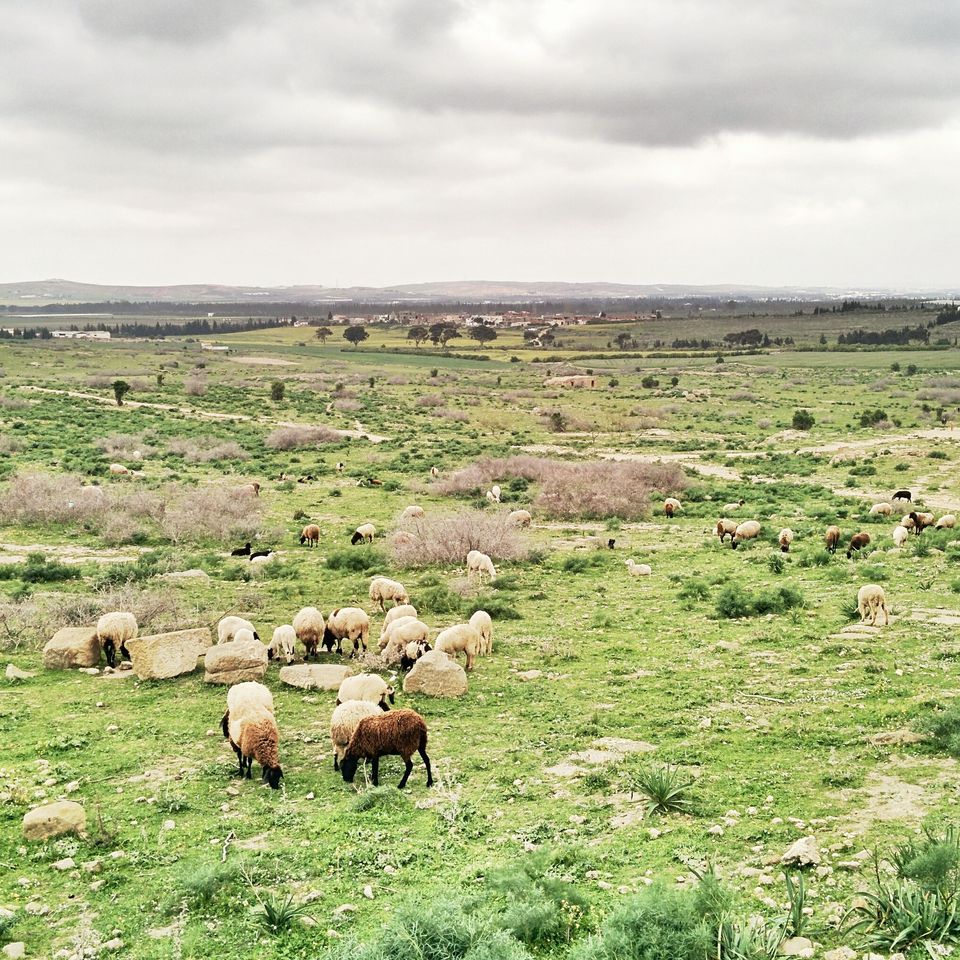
x: 638, y: 569
x: 480, y: 564
x: 881, y: 510
x: 748, y: 530
x: 857, y: 542
x: 383, y: 589
x: 832, y: 539
x: 726, y: 527
x: 309, y: 627
x: 347, y: 623
x: 413, y: 512
x: 671, y: 505
x: 250, y: 727
x: 733, y: 507
x: 243, y: 635
x: 493, y: 494
x: 343, y: 724
x: 339, y: 466
x: 460, y: 638
x: 394, y: 613
x: 903, y: 495
x: 922, y: 520
x: 366, y: 686
x: 785, y: 539
x: 114, y: 630
x: 118, y: 469
x: 481, y: 622
x: 907, y: 521
x: 521, y: 518
x: 228, y: 626
x: 399, y: 633
x: 900, y: 535
x: 365, y: 533
x: 870, y: 601
x: 243, y: 551
x: 261, y: 555
x: 284, y: 643
x: 397, y: 733
x: 947, y: 522
x: 310, y: 535
x: 412, y: 652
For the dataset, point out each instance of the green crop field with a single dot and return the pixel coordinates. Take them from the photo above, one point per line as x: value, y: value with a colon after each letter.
x: 741, y: 675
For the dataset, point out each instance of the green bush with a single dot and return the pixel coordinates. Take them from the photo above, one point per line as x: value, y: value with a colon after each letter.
x: 581, y: 562
x: 733, y: 602
x: 357, y: 561
x: 497, y: 608
x: 943, y: 729
x: 38, y: 569
x: 803, y: 420
x: 694, y: 589
x: 439, y: 599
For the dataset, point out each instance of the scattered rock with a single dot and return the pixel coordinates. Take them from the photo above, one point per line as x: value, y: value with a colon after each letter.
x: 67, y: 863
x: 564, y: 769
x: 436, y: 675
x: 345, y: 908
x: 804, y: 852
x: 797, y: 947
x: 529, y: 674
x: 72, y: 647
x: 54, y: 819
x: 716, y: 830
x: 235, y: 661
x: 841, y: 953
x: 15, y: 951
x: 15, y: 673
x: 160, y: 656
x: 112, y: 945
x: 315, y: 676
x: 368, y: 892
x: 896, y: 738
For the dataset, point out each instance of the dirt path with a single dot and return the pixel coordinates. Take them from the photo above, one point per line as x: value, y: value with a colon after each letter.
x: 17, y: 553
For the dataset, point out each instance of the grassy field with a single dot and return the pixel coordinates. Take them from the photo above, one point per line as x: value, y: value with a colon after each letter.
x: 784, y: 724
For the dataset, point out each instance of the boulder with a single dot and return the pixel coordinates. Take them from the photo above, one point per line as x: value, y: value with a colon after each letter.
x: 15, y: 951
x: 804, y: 852
x: 72, y: 647
x: 15, y: 673
x: 436, y: 675
x: 158, y: 656
x: 315, y: 676
x: 797, y: 947
x: 235, y: 661
x: 54, y: 819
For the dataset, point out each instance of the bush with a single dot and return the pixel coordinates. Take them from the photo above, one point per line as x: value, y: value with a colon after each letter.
x: 439, y: 599
x: 694, y: 589
x: 943, y: 729
x: 357, y: 561
x: 664, y: 787
x: 38, y: 569
x: 206, y: 450
x: 222, y: 514
x: 277, y: 390
x: 195, y: 386
x: 298, y: 437
x: 803, y: 420
x: 581, y: 562
x: 733, y: 602
x: 438, y: 540
x: 497, y: 608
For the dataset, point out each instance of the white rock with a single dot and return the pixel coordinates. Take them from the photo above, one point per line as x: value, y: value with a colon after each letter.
x: 797, y: 947
x: 805, y: 852
x: 67, y: 863
x: 368, y: 892
x: 15, y: 673
x: 14, y: 951
x: 841, y: 953
x: 169, y: 825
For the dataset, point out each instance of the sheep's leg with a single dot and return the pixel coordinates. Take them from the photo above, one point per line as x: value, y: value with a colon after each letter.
x: 110, y: 652
x: 469, y: 660
x: 426, y: 762
x: 408, y: 766
x: 124, y: 652
x: 336, y: 760
x: 375, y: 771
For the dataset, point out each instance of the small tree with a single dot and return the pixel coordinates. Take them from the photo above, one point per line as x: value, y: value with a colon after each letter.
x: 323, y: 333
x: 802, y: 420
x: 277, y: 389
x: 120, y: 389
x: 482, y: 334
x: 441, y: 333
x: 417, y: 334
x: 623, y: 340
x: 355, y: 334
x: 160, y: 377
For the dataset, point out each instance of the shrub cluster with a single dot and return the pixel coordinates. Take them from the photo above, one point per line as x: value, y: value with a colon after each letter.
x: 446, y: 540
x: 298, y: 436
x: 733, y: 602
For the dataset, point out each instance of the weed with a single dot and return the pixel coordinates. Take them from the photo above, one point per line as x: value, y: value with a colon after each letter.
x: 380, y: 798
x: 357, y: 561
x: 694, y: 589
x: 943, y: 729
x: 665, y: 788
x: 276, y: 912
x: 797, y: 895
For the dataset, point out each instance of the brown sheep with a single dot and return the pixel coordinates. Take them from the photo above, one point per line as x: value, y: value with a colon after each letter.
x: 921, y: 521
x: 725, y: 528
x: 255, y: 737
x: 857, y: 542
x: 671, y: 505
x: 397, y: 733
x: 832, y: 539
x: 310, y: 535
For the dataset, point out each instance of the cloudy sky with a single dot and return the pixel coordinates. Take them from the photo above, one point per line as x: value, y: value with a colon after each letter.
x: 380, y: 141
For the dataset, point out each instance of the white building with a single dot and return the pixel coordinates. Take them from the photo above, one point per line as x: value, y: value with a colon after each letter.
x: 81, y: 334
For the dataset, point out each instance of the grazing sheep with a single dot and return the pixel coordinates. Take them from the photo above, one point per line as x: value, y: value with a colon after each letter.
x: 871, y: 600
x: 480, y: 564
x: 922, y: 521
x: 118, y: 469
x: 903, y: 495
x: 785, y: 539
x: 832, y: 539
x: 248, y: 490
x: 481, y: 622
x: 347, y: 623
x: 460, y: 638
x: 310, y: 535
x: 413, y: 512
x: 284, y: 643
x: 243, y: 635
x: 881, y: 510
x: 114, y: 630
x: 638, y: 569
x: 726, y: 527
x: 671, y: 505
x: 412, y: 652
x: 250, y: 727
x: 339, y: 466
x: 228, y: 626
x: 947, y: 522
x: 383, y: 589
x: 394, y: 613
x: 399, y: 633
x: 343, y: 724
x: 521, y: 518
x: 733, y: 507
x: 243, y: 551
x: 434, y: 472
x: 900, y: 535
x: 397, y: 733
x: 365, y: 532
x: 611, y: 543
x: 309, y: 626
x: 857, y: 542
x: 366, y: 686
x: 907, y: 521
x: 748, y: 530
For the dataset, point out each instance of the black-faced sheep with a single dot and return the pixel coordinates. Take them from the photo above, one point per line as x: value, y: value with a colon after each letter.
x: 748, y: 530
x: 903, y: 495
x: 671, y: 506
x: 364, y: 533
x: 857, y: 542
x: 343, y: 725
x: 412, y: 652
x: 250, y: 727
x: 870, y: 601
x: 283, y: 644
x: 309, y: 627
x: 947, y: 522
x: 832, y: 539
x: 114, y: 630
x: 228, y: 626
x: 310, y: 535
x: 347, y: 623
x: 921, y: 521
x: 383, y: 589
x: 399, y: 633
x: 733, y: 507
x: 785, y: 539
x: 397, y: 733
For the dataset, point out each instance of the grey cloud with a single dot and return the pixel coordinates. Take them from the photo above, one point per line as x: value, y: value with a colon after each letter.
x: 173, y: 21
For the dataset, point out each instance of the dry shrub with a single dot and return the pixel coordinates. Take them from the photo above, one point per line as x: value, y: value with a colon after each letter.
x: 121, y: 446
x: 742, y: 395
x: 398, y: 381
x: 946, y: 382
x: 13, y: 403
x: 430, y: 400
x: 207, y: 450
x: 448, y: 539
x: 943, y: 396
x: 10, y: 445
x: 563, y: 421
x: 512, y: 396
x: 100, y: 381
x: 481, y: 475
x: 457, y: 416
x: 210, y: 512
x: 53, y: 498
x: 347, y: 405
x: 296, y: 437
x: 195, y: 386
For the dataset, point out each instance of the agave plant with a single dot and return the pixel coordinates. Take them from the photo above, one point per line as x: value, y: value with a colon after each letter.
x: 664, y: 787
x: 278, y: 913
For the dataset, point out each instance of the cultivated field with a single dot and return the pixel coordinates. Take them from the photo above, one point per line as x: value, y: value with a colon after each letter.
x: 741, y: 673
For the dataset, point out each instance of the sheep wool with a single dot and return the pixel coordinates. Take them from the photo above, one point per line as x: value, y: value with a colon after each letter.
x: 310, y: 535
x: 383, y: 589
x: 748, y: 530
x: 400, y: 633
x: 638, y: 569
x: 521, y: 518
x: 900, y: 535
x: 114, y: 630
x: 870, y: 601
x: 228, y: 626
x: 785, y: 538
x: 250, y: 727
x: 726, y: 528
x: 309, y: 627
x: 395, y: 613
x: 366, y: 686
x: 397, y: 733
x: 480, y: 564
x: 413, y: 512
x: 482, y: 623
x: 283, y: 644
x: 347, y: 623
x: 343, y: 724
x: 364, y: 533
x: 460, y: 638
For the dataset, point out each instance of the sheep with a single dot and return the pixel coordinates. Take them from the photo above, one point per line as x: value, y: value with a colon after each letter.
x: 366, y: 686
x: 243, y: 551
x: 785, y: 539
x: 638, y: 569
x: 399, y: 633
x: 922, y: 520
x: 726, y: 527
x: 733, y: 507
x: 309, y: 627
x: 748, y: 530
x: 900, y: 535
x: 870, y: 601
x: 343, y: 723
x: 250, y: 727
x: 310, y: 535
x: 228, y: 626
x: 460, y: 638
x: 113, y: 630
x: 118, y: 469
x: 284, y: 643
x: 413, y: 512
x: 397, y: 733
x: 412, y: 652
x: 480, y: 564
x: 434, y: 472
x: 832, y: 538
x: 903, y: 495
x: 261, y: 556
x: 881, y: 510
x: 481, y: 622
x: 671, y: 505
x: 383, y: 589
x: 521, y: 518
x: 339, y: 466
x: 243, y: 635
x: 251, y: 489
x: 857, y: 542
x: 493, y: 494
x: 907, y: 521
x: 365, y: 533
x: 347, y: 623
x: 947, y: 522
x: 394, y: 613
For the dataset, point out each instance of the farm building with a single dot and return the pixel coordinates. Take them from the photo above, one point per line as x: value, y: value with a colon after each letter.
x: 577, y: 380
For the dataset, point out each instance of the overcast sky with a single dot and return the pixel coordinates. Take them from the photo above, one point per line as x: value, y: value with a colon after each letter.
x: 381, y: 141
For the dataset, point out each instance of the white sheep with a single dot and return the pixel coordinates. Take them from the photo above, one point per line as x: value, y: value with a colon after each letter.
x: 947, y: 522
x: 733, y: 507
x: 480, y: 564
x: 434, y: 472
x: 243, y: 635
x: 366, y: 686
x: 383, y: 589
x: 493, y: 494
x: 344, y: 722
x: 118, y: 469
x: 228, y: 626
x: 521, y: 518
x: 785, y: 538
x: 114, y: 630
x: 870, y: 601
x: 671, y: 506
x: 460, y: 638
x: 881, y: 510
x: 482, y: 623
x: 309, y: 625
x: 748, y: 530
x: 638, y: 569
x: 401, y: 632
x: 365, y: 532
x: 283, y: 644
x: 900, y: 535
x: 347, y: 623
x: 248, y: 697
x: 726, y: 528
x: 413, y: 512
x: 394, y: 613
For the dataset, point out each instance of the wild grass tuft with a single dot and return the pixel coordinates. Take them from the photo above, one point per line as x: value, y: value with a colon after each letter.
x: 664, y: 787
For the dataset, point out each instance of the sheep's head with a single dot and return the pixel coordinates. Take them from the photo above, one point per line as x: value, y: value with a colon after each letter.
x: 329, y: 640
x: 356, y: 538
x: 273, y: 776
x: 303, y: 539
x: 348, y: 768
